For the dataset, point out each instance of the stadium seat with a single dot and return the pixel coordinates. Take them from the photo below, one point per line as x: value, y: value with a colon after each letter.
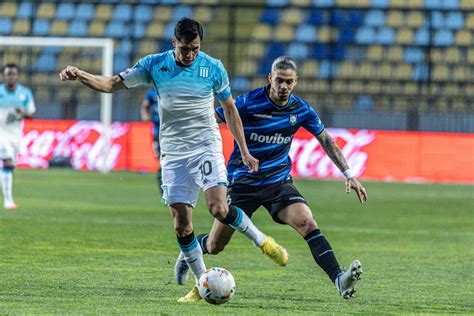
x: 374, y: 53
x: 270, y: 16
x: 413, y: 55
x: 65, y: 11
x: 460, y: 73
x: 375, y: 18
x: 380, y: 3
x: 453, y: 55
x: 121, y: 62
x: 284, y: 33
x: 325, y: 34
x: 405, y: 36
x: 317, y: 17
x: 451, y: 5
x: 320, y: 51
x: 162, y: 13
x: 467, y: 4
x: 124, y: 46
x: 337, y: 51
x: 386, y: 35
x: 84, y: 11
x: 103, y: 11
x: 434, y: 4
x: 437, y: 19
x: 394, y: 53
x: 414, y: 19
x: 240, y: 83
x: 255, y: 49
x: 346, y: 35
x: 440, y: 72
x: 21, y: 27
x: 182, y: 11
x: 46, y: 62
x: 309, y: 68
x: 78, y: 28
x: 143, y: 13
x: 395, y: 18
x: 305, y: 33
x: 277, y: 3
x: 455, y: 20
x: 356, y: 17
x: 339, y: 18
x: 262, y: 32
x: 274, y: 50
x: 324, y: 3
x: 414, y: 4
x: 25, y: 10
x: 420, y: 72
x: 247, y: 67
x: 443, y: 37
x: 346, y: 70
x: 8, y: 9
x: 298, y: 51
x: 470, y: 21
x: 122, y: 12
x: 463, y: 38
x: 41, y: 27
x: 300, y: 3
x: 364, y: 103
x: 328, y: 69
x: 155, y: 30
x: 169, y: 31
x: 203, y: 14
x: 59, y: 28
x: 6, y: 26
x: 46, y: 10
x: 138, y: 30
x: 365, y: 35
x: 96, y: 29
x: 116, y: 29
x: 422, y: 36
x: 292, y: 16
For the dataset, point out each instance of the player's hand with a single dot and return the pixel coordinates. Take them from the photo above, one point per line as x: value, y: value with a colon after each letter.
x: 250, y: 162
x: 354, y: 184
x: 69, y: 73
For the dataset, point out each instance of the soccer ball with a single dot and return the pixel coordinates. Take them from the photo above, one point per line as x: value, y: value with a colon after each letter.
x: 216, y: 286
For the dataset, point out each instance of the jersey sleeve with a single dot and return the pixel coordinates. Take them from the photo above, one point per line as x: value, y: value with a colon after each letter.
x: 313, y: 123
x: 221, y: 86
x: 138, y: 74
x: 30, y: 107
x: 240, y: 103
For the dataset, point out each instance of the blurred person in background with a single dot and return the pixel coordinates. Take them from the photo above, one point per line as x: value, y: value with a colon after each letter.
x: 16, y: 104
x: 149, y: 112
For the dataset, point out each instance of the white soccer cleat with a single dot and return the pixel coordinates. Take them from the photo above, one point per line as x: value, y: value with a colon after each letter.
x: 181, y: 269
x: 346, y: 280
x: 10, y: 206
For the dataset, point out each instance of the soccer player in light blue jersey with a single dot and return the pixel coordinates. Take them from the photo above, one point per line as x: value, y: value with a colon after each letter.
x: 16, y: 103
x: 186, y: 81
x: 271, y: 115
x: 149, y: 112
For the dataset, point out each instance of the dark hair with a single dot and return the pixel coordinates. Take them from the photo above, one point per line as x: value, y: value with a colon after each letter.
x: 283, y: 63
x: 10, y: 65
x: 187, y: 30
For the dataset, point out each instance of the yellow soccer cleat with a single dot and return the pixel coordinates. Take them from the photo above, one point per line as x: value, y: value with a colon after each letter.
x: 192, y: 297
x: 276, y: 252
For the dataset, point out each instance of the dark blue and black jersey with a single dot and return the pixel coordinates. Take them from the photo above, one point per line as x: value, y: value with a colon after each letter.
x: 269, y: 130
x: 151, y: 96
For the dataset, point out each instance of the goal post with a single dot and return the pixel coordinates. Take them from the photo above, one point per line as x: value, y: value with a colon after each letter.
x: 107, y: 47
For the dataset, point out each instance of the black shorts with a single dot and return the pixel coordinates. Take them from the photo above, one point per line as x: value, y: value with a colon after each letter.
x: 274, y: 198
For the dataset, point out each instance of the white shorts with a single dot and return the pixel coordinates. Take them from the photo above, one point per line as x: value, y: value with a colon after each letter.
x: 182, y: 179
x: 9, y: 149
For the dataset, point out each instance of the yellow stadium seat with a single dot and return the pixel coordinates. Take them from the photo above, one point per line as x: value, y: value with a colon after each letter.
x: 300, y: 2
x: 452, y: 55
x: 262, y: 32
x: 97, y: 28
x: 103, y: 12
x: 246, y: 67
x: 21, y: 27
x: 469, y: 21
x: 452, y: 89
x: 414, y: 4
x: 395, y: 18
x: 463, y: 38
x: 467, y: 4
x: 59, y: 28
x: 339, y: 86
x: 440, y: 72
x: 374, y: 87
x: 46, y: 10
x: 203, y: 14
x: 437, y: 55
x: 352, y: 3
x: 321, y: 86
x: 292, y: 16
x: 410, y: 88
x: 404, y: 71
x: 163, y: 13
x: 460, y: 73
x: 256, y: 49
x: 384, y: 71
x: 309, y: 68
x: 40, y: 78
x: 148, y: 47
x: 356, y: 87
x: 284, y: 33
x: 415, y: 19
x: 395, y: 53
x: 365, y: 71
x: 405, y: 36
x: 8, y: 9
x: 470, y: 56
x: 86, y: 95
x: 397, y: 3
x: 155, y: 30
x: 325, y: 34
x: 346, y: 70
x: 375, y: 53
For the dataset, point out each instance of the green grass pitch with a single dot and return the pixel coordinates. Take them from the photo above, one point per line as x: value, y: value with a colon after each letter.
x: 88, y: 243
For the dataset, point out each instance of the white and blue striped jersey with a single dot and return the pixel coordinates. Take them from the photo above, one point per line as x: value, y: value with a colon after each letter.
x: 10, y: 120
x: 186, y: 98
x: 269, y: 131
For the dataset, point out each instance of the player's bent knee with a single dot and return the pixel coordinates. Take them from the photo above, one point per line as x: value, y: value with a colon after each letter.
x: 218, y: 210
x: 305, y: 225
x: 215, y: 248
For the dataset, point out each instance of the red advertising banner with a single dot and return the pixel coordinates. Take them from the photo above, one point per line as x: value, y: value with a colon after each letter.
x: 379, y: 155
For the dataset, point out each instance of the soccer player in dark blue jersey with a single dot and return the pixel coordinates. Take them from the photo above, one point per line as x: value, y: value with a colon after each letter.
x: 149, y: 112
x: 271, y: 115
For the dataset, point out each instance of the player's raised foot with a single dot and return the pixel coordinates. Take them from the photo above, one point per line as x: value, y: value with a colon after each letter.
x: 11, y: 206
x: 192, y: 297
x: 346, y: 280
x: 273, y: 250
x: 181, y: 269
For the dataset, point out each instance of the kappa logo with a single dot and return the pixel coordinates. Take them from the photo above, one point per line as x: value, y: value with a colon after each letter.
x: 164, y: 69
x: 204, y: 72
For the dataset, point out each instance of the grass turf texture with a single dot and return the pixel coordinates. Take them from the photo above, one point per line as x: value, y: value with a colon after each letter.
x: 89, y: 243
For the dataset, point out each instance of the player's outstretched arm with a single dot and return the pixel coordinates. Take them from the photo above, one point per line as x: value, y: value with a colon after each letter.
x: 335, y: 154
x: 234, y: 122
x: 95, y: 82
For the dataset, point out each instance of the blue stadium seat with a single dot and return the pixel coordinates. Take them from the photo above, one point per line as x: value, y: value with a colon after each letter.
x: 169, y: 31
x: 317, y: 17
x: 451, y: 5
x: 143, y: 13
x: 116, y: 29
x: 434, y: 4
x: 78, y: 28
x: 264, y: 66
x: 356, y: 17
x: 166, y: 1
x: 386, y: 35
x: 52, y: 50
x: 420, y: 72
x: 375, y: 18
x: 46, y: 62
x: 305, y: 33
x: 364, y: 103
x: 122, y: 12
x: 338, y: 18
x: 65, y: 11
x: 121, y: 62
x: 6, y: 26
x: 275, y: 50
x: 298, y: 51
x: 437, y: 19
x: 422, y: 36
x: 41, y: 27
x: 138, y: 30
x: 346, y: 35
x: 240, y: 83
x: 365, y: 35
x: 443, y: 38
x: 338, y: 52
x: 270, y: 16
x: 125, y: 46
x: 380, y: 3
x: 277, y: 3
x: 165, y: 45
x: 320, y: 51
x: 181, y: 12
x: 25, y: 10
x: 413, y: 55
x: 455, y: 20
x: 85, y: 11
x: 324, y: 3
x: 327, y: 69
